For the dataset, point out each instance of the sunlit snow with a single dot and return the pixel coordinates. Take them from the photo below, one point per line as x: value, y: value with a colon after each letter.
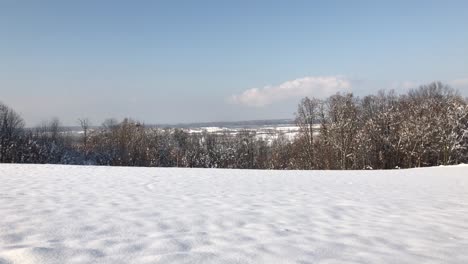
x: 73, y: 214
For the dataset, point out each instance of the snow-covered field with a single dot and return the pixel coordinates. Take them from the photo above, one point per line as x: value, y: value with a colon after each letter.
x: 267, y: 133
x: 71, y: 214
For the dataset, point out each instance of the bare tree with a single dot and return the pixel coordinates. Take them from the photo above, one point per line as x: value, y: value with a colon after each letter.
x: 85, y: 124
x: 344, y: 122
x: 307, y: 117
x: 11, y: 125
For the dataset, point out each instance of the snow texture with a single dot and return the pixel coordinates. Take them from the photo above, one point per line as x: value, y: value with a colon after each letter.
x: 79, y: 214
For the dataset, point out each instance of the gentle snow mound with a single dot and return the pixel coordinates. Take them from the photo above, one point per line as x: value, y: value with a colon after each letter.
x: 73, y: 214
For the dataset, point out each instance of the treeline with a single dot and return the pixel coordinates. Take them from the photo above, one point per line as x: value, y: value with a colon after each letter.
x: 427, y: 126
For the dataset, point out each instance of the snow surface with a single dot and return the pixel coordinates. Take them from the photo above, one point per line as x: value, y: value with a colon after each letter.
x: 73, y: 214
x: 267, y: 133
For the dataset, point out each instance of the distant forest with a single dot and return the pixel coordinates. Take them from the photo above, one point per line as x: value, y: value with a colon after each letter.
x: 427, y: 126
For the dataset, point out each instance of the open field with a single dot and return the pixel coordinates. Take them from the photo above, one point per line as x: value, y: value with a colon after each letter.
x: 79, y: 214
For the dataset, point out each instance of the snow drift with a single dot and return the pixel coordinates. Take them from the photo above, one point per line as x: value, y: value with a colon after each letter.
x: 73, y: 214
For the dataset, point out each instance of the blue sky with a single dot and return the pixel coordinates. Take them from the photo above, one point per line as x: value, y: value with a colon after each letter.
x: 189, y: 61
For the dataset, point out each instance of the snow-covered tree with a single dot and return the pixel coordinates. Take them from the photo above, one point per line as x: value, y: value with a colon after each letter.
x: 11, y: 129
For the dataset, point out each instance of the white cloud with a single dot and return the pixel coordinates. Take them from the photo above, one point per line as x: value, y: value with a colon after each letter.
x: 314, y: 86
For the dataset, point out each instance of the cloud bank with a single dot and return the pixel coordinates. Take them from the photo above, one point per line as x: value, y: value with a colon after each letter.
x: 324, y: 86
x: 313, y: 86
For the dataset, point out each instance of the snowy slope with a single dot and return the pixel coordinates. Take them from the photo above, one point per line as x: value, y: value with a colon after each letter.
x: 71, y: 214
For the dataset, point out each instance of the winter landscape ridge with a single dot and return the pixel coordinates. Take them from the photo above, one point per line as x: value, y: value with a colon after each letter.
x: 95, y: 214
